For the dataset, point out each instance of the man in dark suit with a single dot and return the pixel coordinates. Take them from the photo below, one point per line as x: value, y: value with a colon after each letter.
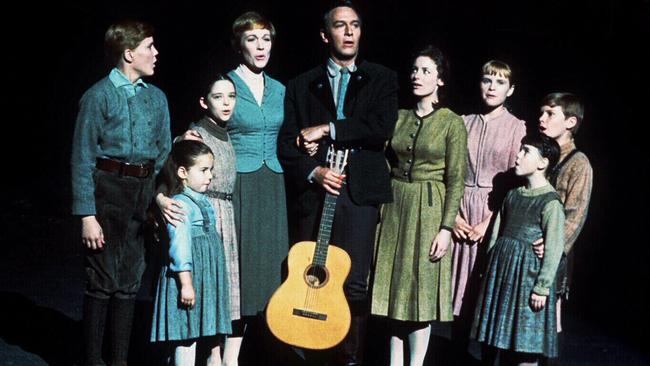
x: 352, y: 104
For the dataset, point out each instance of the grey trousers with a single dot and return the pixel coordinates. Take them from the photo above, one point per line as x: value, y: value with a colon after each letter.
x: 121, y: 204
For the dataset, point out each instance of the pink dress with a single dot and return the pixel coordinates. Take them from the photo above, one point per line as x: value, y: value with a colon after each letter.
x: 492, y: 149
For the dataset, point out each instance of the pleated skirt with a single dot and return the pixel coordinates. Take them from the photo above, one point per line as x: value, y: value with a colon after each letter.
x: 504, y: 318
x: 211, y: 314
x: 261, y: 221
x: 406, y: 284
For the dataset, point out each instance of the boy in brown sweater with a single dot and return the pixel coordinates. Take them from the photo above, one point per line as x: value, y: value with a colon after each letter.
x: 572, y: 177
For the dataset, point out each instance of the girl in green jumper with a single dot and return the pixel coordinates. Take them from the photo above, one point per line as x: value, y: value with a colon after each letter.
x: 516, y: 308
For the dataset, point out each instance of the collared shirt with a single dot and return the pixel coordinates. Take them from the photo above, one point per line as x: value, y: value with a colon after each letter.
x: 118, y: 120
x: 120, y: 80
x: 334, y: 76
x: 180, y: 236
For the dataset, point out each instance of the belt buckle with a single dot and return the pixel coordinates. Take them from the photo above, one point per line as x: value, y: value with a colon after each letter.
x: 122, y: 169
x: 143, y: 171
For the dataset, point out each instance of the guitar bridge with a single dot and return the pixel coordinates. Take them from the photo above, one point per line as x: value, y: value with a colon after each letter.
x: 309, y: 314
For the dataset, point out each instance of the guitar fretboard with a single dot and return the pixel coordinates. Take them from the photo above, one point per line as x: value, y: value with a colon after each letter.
x: 325, y: 230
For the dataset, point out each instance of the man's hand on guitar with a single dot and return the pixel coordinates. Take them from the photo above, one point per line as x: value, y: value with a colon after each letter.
x: 331, y: 181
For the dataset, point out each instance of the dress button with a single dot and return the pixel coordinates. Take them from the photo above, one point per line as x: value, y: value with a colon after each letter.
x: 406, y: 174
x: 409, y: 161
x: 412, y: 135
x: 409, y: 148
x: 417, y: 123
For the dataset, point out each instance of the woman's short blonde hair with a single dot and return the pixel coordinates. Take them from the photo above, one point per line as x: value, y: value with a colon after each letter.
x: 248, y: 21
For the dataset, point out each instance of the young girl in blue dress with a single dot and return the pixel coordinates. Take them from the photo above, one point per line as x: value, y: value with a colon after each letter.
x: 192, y: 297
x: 516, y: 310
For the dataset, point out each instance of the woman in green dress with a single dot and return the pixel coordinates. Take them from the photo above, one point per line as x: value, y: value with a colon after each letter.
x: 427, y: 155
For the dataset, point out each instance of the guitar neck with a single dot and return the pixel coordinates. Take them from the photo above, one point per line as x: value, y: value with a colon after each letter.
x: 325, y: 230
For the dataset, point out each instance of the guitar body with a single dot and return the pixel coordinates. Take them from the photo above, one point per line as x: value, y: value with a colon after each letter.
x: 309, y: 309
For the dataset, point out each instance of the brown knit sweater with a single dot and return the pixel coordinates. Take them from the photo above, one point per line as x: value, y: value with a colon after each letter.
x: 574, y: 184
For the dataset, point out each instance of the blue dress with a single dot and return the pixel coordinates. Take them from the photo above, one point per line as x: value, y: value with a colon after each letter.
x: 504, y: 318
x: 194, y: 246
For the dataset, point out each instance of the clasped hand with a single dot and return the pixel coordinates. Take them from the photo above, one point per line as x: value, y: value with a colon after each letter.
x: 464, y: 231
x: 308, y: 138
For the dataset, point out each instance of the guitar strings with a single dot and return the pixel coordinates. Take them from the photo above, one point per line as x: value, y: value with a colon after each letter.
x: 337, y: 161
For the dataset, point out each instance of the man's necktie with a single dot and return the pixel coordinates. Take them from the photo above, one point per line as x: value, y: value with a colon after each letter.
x: 343, y: 87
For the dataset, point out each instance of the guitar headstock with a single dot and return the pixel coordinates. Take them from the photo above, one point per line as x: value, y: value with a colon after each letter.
x: 337, y: 159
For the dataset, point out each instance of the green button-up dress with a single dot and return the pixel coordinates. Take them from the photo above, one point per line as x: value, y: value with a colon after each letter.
x: 428, y: 158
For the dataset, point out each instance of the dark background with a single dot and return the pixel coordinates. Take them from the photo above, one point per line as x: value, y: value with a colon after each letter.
x: 53, y: 53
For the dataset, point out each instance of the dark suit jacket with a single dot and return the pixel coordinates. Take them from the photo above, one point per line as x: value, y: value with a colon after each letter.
x: 371, y: 110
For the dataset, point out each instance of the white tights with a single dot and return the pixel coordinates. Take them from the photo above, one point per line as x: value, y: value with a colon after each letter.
x: 185, y: 355
x: 418, y: 341
x: 231, y: 350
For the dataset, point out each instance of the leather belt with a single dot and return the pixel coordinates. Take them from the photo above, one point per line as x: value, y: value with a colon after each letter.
x: 219, y: 195
x: 128, y: 169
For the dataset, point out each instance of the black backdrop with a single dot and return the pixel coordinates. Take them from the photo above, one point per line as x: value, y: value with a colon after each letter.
x: 595, y: 49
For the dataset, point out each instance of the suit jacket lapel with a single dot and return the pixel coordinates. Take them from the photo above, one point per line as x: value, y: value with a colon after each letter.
x: 320, y: 88
x: 357, y: 81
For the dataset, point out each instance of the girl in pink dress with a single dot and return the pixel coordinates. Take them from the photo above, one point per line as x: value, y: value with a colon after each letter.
x: 494, y: 138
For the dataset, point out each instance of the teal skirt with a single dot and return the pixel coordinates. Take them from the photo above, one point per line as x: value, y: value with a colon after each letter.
x: 211, y: 313
x: 504, y: 318
x: 261, y: 220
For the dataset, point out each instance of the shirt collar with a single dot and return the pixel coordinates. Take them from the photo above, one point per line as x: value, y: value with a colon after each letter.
x: 198, y: 197
x: 333, y: 69
x: 246, y: 74
x: 118, y: 79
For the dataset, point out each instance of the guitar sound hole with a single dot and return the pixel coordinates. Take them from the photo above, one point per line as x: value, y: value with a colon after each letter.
x: 316, y: 276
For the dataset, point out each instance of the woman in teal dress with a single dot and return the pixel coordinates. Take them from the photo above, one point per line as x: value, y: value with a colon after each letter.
x: 516, y: 309
x: 427, y: 154
x: 259, y: 196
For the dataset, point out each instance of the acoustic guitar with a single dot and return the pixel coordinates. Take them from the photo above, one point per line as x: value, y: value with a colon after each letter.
x: 309, y: 309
